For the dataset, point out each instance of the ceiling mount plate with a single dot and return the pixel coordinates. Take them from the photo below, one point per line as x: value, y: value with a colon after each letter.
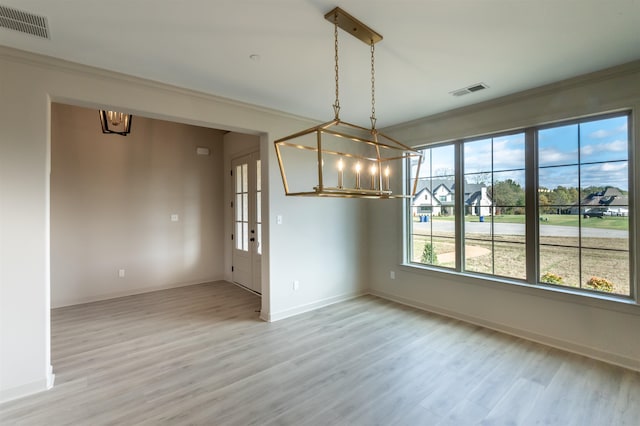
x: 353, y: 26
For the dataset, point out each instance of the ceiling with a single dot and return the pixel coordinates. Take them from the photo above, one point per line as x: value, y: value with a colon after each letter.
x: 430, y: 48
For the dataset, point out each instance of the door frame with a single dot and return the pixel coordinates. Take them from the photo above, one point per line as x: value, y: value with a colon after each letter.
x: 255, y: 227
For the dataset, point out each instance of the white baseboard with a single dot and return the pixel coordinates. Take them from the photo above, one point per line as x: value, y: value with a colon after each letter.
x: 21, y: 391
x: 128, y: 292
x: 271, y: 317
x: 51, y: 378
x: 573, y: 347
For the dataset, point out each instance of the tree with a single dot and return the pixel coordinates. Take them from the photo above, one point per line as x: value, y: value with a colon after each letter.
x: 429, y: 255
x: 544, y: 202
x: 508, y: 196
x: 479, y: 178
x: 563, y: 196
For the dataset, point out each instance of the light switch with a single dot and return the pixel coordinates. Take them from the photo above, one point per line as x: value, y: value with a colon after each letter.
x: 174, y: 218
x: 279, y: 219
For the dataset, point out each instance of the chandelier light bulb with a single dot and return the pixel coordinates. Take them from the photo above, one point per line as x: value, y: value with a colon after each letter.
x: 340, y: 173
x: 115, y: 118
x: 387, y: 172
x: 373, y: 169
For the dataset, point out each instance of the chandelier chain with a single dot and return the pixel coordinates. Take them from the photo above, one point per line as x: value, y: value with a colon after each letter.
x: 336, y: 105
x: 373, y: 87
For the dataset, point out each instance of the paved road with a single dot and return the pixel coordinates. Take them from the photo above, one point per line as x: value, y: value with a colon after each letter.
x: 518, y: 229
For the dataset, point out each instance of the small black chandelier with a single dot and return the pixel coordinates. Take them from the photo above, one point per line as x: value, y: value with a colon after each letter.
x: 115, y: 122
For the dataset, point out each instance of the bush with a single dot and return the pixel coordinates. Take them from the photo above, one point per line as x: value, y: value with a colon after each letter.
x: 551, y: 278
x: 429, y: 255
x: 600, y: 284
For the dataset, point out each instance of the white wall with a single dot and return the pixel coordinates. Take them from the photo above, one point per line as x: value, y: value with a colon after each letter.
x: 325, y: 252
x: 598, y: 328
x: 112, y: 198
x: 320, y: 242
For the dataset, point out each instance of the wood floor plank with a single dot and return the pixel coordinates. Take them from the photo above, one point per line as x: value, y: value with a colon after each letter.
x: 200, y: 355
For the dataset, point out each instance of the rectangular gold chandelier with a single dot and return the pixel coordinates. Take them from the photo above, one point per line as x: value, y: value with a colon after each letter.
x: 340, y: 159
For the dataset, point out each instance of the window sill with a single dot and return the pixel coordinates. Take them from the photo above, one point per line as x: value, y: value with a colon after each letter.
x: 620, y: 304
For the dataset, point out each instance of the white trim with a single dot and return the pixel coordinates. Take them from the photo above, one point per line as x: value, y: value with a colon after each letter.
x: 310, y: 306
x: 132, y: 292
x: 57, y: 64
x: 606, y: 301
x: 51, y: 378
x: 576, y: 348
x: 21, y: 391
x: 551, y: 89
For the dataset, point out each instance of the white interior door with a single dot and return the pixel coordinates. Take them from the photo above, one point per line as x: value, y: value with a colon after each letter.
x: 247, y: 221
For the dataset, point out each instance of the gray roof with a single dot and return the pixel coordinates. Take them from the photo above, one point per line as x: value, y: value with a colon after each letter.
x: 449, y: 183
x: 608, y: 197
x: 473, y: 191
x: 434, y: 183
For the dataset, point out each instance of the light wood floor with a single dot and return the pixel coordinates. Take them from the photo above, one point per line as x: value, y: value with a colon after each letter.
x: 200, y: 355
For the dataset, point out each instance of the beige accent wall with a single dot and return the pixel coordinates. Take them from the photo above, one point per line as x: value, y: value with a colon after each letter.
x: 112, y: 198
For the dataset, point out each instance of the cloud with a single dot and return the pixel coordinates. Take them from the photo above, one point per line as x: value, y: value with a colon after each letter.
x: 436, y: 160
x: 614, y: 167
x: 550, y: 155
x: 605, y: 133
x: 615, y: 146
x: 558, y: 176
x: 504, y: 153
x: 606, y: 174
x: 600, y: 134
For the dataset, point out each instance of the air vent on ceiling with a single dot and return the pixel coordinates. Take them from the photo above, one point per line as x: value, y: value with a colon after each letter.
x: 24, y: 22
x: 470, y: 89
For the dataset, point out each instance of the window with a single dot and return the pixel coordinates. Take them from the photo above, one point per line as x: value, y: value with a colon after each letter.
x: 242, y: 207
x: 494, y: 203
x: 436, y: 174
x: 583, y: 182
x: 259, y: 206
x: 547, y: 205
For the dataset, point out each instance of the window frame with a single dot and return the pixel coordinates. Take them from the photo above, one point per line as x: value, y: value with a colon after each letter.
x: 532, y: 237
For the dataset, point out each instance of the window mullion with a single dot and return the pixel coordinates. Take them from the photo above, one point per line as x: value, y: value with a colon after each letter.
x: 532, y: 221
x: 459, y: 205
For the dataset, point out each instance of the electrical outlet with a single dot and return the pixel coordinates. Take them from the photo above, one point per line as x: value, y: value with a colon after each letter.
x: 296, y: 285
x: 121, y: 273
x: 175, y: 217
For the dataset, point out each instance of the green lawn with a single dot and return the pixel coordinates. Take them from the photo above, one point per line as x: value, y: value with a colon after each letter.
x: 607, y: 222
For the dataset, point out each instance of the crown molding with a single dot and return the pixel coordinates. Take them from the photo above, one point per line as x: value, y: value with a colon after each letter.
x: 617, y: 71
x: 56, y: 64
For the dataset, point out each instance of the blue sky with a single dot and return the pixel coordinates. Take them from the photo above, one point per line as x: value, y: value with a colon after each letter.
x: 603, y: 143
